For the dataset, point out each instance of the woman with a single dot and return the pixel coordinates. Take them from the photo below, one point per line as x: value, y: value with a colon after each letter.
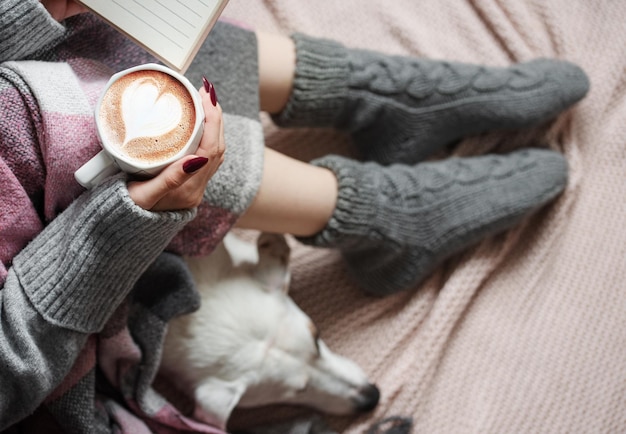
x: 86, y: 288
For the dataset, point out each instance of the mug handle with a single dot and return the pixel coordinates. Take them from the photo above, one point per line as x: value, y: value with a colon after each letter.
x: 99, y: 167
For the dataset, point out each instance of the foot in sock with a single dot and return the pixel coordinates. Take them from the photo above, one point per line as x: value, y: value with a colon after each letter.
x: 403, y: 109
x: 394, y: 225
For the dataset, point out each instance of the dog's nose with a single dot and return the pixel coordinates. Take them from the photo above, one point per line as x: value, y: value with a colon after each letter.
x: 369, y: 396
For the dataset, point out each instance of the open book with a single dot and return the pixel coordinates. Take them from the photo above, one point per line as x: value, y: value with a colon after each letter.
x: 172, y: 30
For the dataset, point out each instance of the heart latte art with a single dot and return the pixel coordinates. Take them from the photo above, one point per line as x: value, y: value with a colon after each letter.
x: 147, y: 115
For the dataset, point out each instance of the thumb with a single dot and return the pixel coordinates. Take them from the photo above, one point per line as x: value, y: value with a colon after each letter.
x: 147, y: 194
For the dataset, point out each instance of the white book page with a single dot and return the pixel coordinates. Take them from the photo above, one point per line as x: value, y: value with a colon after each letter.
x: 173, y: 30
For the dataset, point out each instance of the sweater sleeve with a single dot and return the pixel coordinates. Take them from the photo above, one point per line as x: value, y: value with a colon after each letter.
x: 66, y: 283
x: 26, y: 27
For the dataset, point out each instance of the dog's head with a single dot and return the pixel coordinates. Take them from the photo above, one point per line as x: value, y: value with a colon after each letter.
x: 253, y: 346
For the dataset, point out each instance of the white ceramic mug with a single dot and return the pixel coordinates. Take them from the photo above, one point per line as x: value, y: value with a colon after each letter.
x: 111, y: 160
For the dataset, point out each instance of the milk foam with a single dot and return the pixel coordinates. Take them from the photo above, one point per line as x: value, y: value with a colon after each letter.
x: 147, y: 115
x: 147, y: 112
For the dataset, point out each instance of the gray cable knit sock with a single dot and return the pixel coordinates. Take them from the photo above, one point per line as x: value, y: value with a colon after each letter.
x: 402, y: 109
x: 395, y: 224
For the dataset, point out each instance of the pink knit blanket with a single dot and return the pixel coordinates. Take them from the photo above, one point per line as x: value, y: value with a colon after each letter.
x: 525, y: 332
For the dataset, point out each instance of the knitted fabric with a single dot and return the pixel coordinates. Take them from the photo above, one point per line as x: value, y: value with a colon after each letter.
x: 405, y: 109
x: 71, y: 258
x: 394, y: 225
x: 525, y: 332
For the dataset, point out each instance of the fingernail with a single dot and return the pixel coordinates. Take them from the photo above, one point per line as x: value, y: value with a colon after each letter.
x: 210, y: 89
x: 194, y: 164
x: 213, y: 95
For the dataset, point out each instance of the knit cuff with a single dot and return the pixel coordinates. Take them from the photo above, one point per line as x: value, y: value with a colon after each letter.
x: 228, y: 58
x: 320, y: 84
x: 26, y: 28
x: 79, y: 269
x: 354, y: 211
x: 235, y: 185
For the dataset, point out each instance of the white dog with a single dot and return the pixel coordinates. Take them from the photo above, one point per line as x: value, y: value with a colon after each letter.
x: 250, y: 345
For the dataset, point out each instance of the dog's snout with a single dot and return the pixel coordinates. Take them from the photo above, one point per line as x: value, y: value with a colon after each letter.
x: 368, y: 398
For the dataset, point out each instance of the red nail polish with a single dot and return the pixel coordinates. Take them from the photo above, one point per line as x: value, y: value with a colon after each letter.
x: 210, y: 89
x: 213, y: 95
x: 194, y: 164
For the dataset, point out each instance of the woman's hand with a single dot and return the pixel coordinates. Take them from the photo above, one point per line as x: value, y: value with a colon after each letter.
x: 62, y: 9
x: 181, y: 185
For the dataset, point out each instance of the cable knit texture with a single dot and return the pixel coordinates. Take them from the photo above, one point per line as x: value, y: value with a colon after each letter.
x: 395, y: 224
x: 404, y: 109
x: 524, y: 333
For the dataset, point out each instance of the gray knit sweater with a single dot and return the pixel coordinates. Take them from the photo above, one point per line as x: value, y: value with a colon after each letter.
x: 70, y: 302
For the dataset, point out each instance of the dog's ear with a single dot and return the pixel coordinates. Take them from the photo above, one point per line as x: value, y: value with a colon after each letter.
x: 216, y: 399
x: 272, y: 270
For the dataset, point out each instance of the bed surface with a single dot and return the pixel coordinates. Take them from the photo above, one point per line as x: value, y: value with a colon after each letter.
x: 526, y: 332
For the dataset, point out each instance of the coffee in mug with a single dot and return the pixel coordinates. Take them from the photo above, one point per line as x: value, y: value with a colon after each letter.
x: 147, y: 117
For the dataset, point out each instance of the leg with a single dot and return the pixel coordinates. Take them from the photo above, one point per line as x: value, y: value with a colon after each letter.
x: 398, y: 109
x: 294, y: 197
x: 404, y: 109
x: 395, y: 224
x: 277, y: 64
x: 249, y: 69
